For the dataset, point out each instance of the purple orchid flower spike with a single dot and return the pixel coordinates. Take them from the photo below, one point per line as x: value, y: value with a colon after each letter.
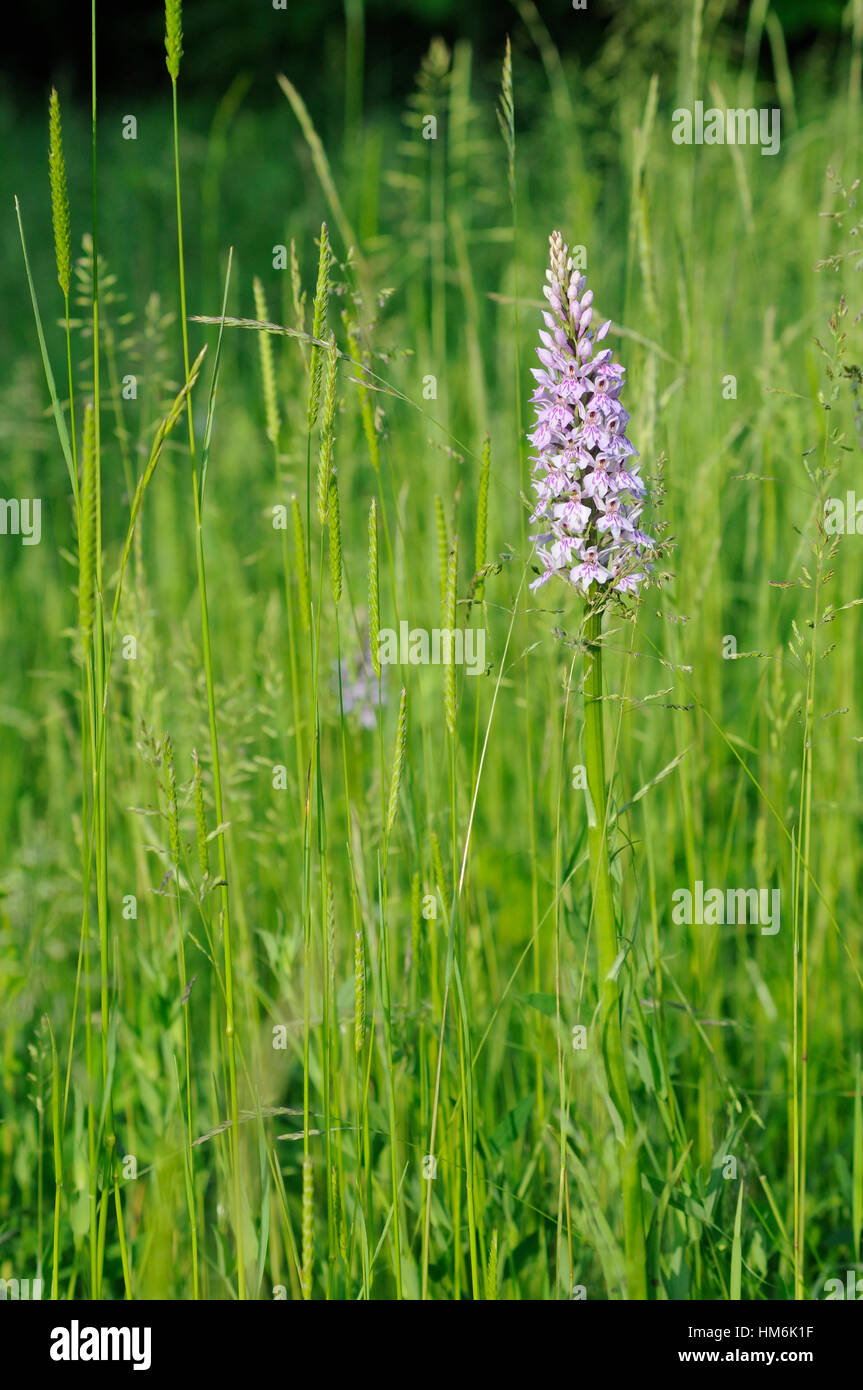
x: 589, y: 490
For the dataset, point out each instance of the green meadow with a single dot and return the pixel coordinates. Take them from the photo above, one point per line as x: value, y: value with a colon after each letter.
x: 322, y: 978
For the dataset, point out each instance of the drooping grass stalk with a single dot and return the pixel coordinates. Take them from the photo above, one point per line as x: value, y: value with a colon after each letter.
x: 322, y: 169
x: 173, y: 49
x: 66, y: 445
x: 607, y: 959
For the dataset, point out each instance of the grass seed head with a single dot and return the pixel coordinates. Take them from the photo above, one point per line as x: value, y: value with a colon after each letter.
x: 319, y: 324
x: 506, y: 118
x: 59, y: 195
x: 268, y: 370
x: 173, y: 816
x: 173, y: 37
x: 398, y: 762
x: 442, y: 545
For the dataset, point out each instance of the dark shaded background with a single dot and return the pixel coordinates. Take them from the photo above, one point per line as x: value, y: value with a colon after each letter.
x: 50, y: 40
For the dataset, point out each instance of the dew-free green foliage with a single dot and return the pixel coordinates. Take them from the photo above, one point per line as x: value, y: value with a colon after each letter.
x: 326, y: 977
